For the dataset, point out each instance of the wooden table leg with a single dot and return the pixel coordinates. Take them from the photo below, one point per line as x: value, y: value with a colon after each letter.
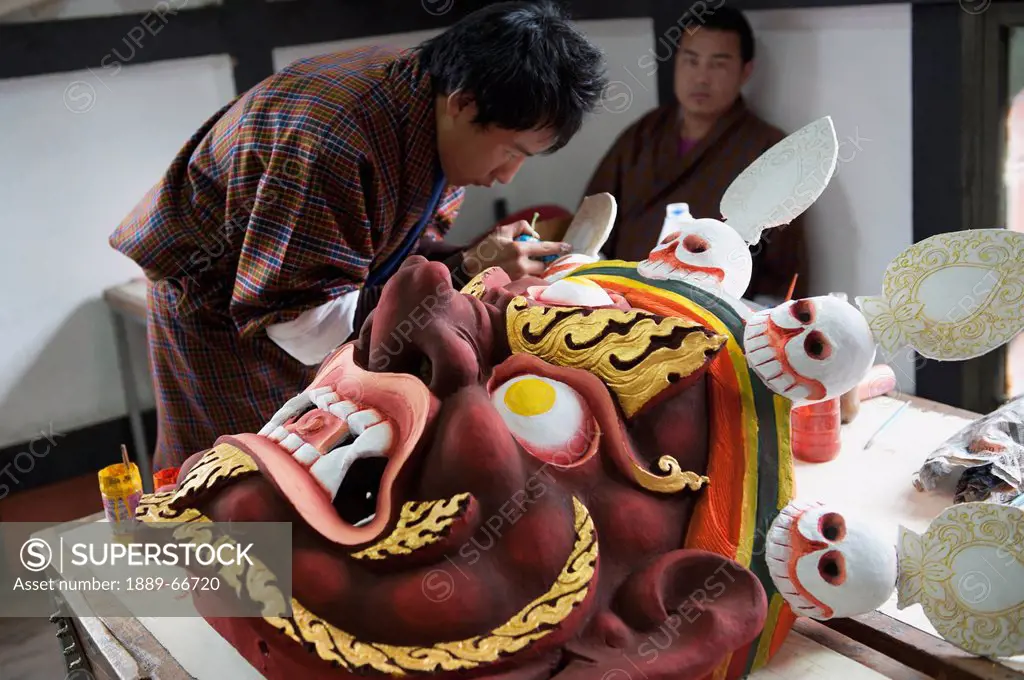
x: 131, y: 397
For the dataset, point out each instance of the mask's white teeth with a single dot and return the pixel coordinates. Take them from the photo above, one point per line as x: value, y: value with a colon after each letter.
x: 292, y: 442
x: 365, y: 521
x: 797, y: 393
x: 769, y: 370
x: 307, y: 454
x: 360, y: 421
x: 343, y: 409
x: 278, y: 434
x: 291, y: 408
x: 374, y: 439
x: 755, y: 342
x: 781, y: 383
x: 324, y: 399
x: 330, y: 469
x: 760, y: 356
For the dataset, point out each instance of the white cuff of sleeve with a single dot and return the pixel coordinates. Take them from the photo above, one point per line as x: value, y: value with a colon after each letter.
x: 312, y: 335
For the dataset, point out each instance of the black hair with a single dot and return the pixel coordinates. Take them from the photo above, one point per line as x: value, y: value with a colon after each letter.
x: 729, y: 20
x: 524, y: 64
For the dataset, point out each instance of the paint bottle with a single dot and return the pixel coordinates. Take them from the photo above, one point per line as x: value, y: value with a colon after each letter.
x: 815, y: 431
x: 121, y: 489
x: 676, y: 215
x: 166, y: 477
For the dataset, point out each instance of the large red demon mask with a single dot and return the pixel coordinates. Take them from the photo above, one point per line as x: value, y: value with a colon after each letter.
x: 483, y: 485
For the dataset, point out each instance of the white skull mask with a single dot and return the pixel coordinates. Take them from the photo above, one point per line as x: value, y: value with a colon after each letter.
x: 809, y: 350
x: 706, y: 253
x: 826, y: 564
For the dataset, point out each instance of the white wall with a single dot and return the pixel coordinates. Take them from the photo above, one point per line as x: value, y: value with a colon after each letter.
x: 560, y: 178
x: 851, y: 63
x: 75, y: 175
x: 66, y: 180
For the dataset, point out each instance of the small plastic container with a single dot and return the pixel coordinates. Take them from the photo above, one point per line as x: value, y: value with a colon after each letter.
x: 121, y: 489
x: 166, y: 477
x: 815, y: 431
x: 675, y: 215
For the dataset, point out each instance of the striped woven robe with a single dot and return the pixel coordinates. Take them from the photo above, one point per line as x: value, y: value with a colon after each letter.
x: 646, y: 171
x: 290, y: 196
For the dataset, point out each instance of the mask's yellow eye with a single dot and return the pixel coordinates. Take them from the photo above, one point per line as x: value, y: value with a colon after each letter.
x: 547, y: 417
x: 530, y: 397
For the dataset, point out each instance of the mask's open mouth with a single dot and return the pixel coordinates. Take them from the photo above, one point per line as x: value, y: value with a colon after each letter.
x: 336, y: 451
x: 345, y: 447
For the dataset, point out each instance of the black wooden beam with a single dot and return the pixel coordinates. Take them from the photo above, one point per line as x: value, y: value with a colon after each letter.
x: 249, y: 39
x: 937, y: 157
x: 249, y: 33
x: 107, y: 44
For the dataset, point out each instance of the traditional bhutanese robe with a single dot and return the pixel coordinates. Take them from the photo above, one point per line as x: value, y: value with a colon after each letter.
x: 646, y: 169
x: 293, y: 195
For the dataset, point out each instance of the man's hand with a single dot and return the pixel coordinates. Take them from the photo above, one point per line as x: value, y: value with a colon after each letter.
x: 500, y: 249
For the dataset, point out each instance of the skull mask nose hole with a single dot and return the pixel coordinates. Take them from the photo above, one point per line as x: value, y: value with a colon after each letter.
x: 832, y: 567
x: 817, y: 345
x: 695, y: 244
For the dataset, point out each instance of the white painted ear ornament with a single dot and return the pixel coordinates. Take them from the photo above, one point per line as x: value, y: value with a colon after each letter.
x: 783, y: 182
x: 951, y: 297
x: 966, y: 571
x: 592, y: 224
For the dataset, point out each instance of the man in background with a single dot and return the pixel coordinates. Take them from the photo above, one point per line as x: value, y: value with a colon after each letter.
x: 690, y: 150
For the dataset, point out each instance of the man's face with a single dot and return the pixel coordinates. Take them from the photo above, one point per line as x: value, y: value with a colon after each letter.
x: 476, y: 156
x: 709, y: 72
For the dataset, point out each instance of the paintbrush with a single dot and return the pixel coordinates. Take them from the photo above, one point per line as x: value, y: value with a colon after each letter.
x: 792, y: 287
x: 124, y: 459
x: 886, y: 424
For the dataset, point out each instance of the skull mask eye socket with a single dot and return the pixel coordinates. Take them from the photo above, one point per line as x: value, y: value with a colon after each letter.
x: 817, y: 346
x: 832, y: 568
x: 832, y: 527
x: 803, y: 311
x: 695, y: 244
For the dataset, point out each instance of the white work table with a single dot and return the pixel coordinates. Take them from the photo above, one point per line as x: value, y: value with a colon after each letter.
x: 877, y: 481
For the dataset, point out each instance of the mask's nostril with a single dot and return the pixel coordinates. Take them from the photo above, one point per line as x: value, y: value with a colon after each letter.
x: 426, y: 371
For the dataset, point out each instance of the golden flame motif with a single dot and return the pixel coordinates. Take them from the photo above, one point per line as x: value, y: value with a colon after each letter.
x: 676, y: 480
x: 218, y: 466
x: 420, y: 525
x: 533, y: 622
x: 636, y: 354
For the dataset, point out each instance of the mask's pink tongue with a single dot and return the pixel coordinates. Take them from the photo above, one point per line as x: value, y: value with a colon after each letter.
x: 402, y: 399
x: 320, y: 428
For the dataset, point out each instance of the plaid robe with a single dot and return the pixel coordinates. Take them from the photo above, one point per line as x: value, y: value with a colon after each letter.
x: 291, y: 195
x: 645, y: 172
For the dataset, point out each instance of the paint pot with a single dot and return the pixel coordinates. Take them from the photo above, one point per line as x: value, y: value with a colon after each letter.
x: 815, y: 431
x: 167, y: 477
x: 121, y: 489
